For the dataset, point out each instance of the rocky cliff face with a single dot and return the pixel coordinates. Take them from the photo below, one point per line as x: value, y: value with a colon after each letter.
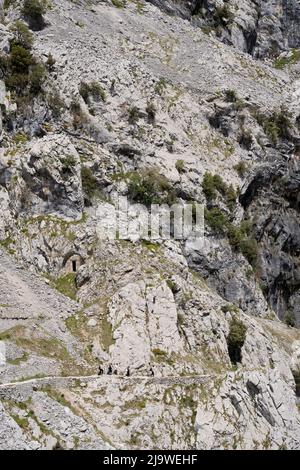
x: 263, y: 28
x: 156, y: 101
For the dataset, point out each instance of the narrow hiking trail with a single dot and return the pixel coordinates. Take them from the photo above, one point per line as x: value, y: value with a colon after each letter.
x: 60, y: 380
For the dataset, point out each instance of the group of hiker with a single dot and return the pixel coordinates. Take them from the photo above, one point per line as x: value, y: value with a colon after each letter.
x: 114, y: 371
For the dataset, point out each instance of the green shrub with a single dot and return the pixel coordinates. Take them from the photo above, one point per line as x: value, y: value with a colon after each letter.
x: 151, y: 111
x: 90, y: 184
x: 119, y: 3
x: 236, y: 339
x: 94, y: 90
x: 223, y: 15
x: 241, y: 168
x: 56, y: 104
x: 133, y: 114
x: 249, y: 249
x: 246, y: 139
x: 292, y: 58
x: 216, y: 219
x: 20, y: 59
x: 238, y: 236
x: 231, y: 197
x: 277, y: 126
x: 50, y: 62
x: 150, y: 187
x: 33, y: 10
x: 230, y: 96
x: 212, y: 184
x: 22, y: 35
x: 4, y: 65
x: 289, y: 319
x: 37, y: 77
x: 179, y: 165
x: 17, y: 82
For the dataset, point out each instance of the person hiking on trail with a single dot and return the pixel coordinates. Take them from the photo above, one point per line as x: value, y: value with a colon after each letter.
x: 151, y: 371
x: 128, y: 372
x: 110, y: 370
x: 100, y: 372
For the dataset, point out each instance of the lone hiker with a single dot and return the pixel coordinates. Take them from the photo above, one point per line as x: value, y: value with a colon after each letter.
x: 128, y: 372
x: 151, y: 371
x: 101, y: 371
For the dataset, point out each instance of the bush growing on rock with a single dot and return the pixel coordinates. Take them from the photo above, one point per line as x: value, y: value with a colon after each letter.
x: 277, y: 126
x: 289, y: 319
x: 236, y: 339
x: 239, y: 237
x: 56, y: 104
x: 213, y: 185
x: 37, y: 77
x: 33, y: 11
x: 150, y: 187
x: 20, y: 59
x: 151, y: 111
x: 22, y: 35
x: 241, y: 168
x: 179, y: 165
x: 93, y: 89
x: 90, y: 184
x: 133, y: 114
x: 230, y: 96
x: 50, y: 62
x: 217, y: 220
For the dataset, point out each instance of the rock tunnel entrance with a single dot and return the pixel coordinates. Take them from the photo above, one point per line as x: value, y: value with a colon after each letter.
x: 72, y: 262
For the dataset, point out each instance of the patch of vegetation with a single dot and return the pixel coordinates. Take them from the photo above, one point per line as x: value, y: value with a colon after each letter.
x: 151, y: 111
x: 67, y: 285
x: 239, y: 237
x: 216, y: 219
x: 150, y: 187
x: 133, y: 115
x: 33, y: 11
x: 22, y: 35
x: 23, y: 74
x: 276, y: 126
x: 6, y: 244
x: 18, y: 360
x: 160, y: 86
x: 119, y: 3
x: 289, y: 319
x: 135, y: 404
x: 229, y: 308
x: 245, y: 139
x: 292, y: 58
x: 180, y: 167
x: 56, y: 104
x: 213, y: 185
x: 241, y: 168
x: 90, y: 183
x: 231, y: 96
x: 236, y: 339
x: 22, y: 422
x: 223, y: 15
x: 92, y: 89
